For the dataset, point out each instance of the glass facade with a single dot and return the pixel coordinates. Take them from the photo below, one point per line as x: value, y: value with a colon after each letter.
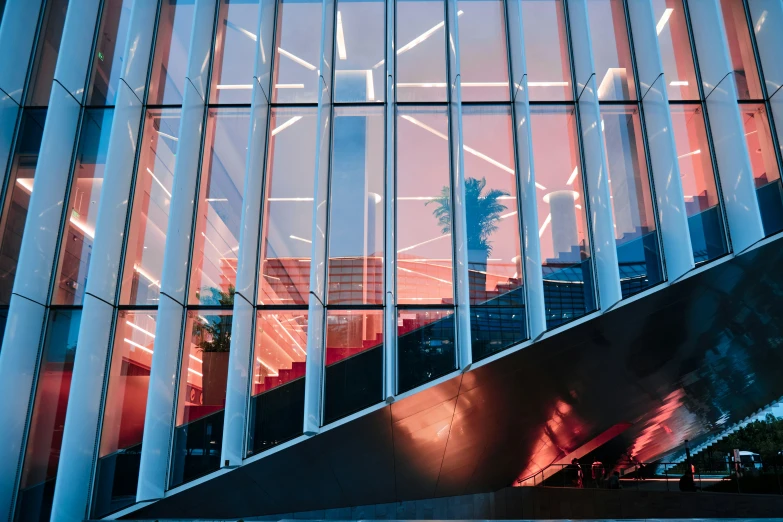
x: 336, y: 188
x: 44, y: 440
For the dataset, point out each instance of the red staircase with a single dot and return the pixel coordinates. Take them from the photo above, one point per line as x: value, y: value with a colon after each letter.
x: 283, y: 376
x: 335, y: 355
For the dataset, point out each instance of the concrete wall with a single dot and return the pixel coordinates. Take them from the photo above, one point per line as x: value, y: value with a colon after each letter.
x: 559, y: 503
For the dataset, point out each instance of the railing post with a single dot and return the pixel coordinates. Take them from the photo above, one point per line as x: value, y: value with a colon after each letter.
x: 666, y: 473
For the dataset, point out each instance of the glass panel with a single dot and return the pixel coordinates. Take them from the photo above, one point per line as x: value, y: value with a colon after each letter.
x: 172, y: 43
x: 482, y: 47
x: 356, y: 209
x: 562, y: 222
x: 150, y: 212
x: 198, y: 434
x: 360, y: 68
x: 297, y: 59
x: 743, y: 60
x: 216, y: 241
x: 235, y: 52
x: 424, y: 253
x: 353, y: 377
x: 764, y: 164
x: 17, y: 197
x: 44, y: 440
x: 421, y: 51
x: 42, y: 73
x: 425, y: 346
x: 494, y: 257
x: 493, y: 329
x: 546, y: 46
x: 675, y: 48
x: 279, y: 361
x: 116, y: 477
x: 767, y: 18
x: 698, y: 183
x: 288, y: 213
x: 86, y: 184
x: 107, y: 62
x: 611, y: 52
x: 632, y: 209
x: 3, y: 320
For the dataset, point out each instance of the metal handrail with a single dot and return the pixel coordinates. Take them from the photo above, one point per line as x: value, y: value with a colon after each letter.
x: 637, y: 474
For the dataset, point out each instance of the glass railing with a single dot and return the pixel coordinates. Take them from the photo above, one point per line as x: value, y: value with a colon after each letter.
x: 197, y: 447
x: 276, y: 416
x: 354, y: 383
x: 116, y: 480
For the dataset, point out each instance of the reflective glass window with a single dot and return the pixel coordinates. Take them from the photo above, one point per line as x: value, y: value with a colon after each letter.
x: 288, y: 207
x: 45, y: 436
x: 632, y: 208
x: 235, y: 52
x: 494, y: 259
x: 763, y: 161
x: 760, y: 146
x: 170, y: 61
x: 425, y: 346
x: 17, y: 197
x: 493, y: 329
x: 767, y: 19
x: 82, y: 211
x: 119, y: 455
x: 150, y: 211
x: 562, y: 222
x: 9, y: 114
x: 743, y: 60
x: 353, y: 378
x: 482, y: 49
x: 421, y: 50
x: 493, y: 234
x: 611, y: 51
x: 3, y: 320
x: 295, y: 74
x: 546, y: 50
x: 424, y: 254
x: 42, y: 73
x: 675, y: 46
x: 279, y: 362
x: 216, y: 241
x: 107, y: 62
x: 356, y: 208
x: 702, y: 201
x: 360, y: 64
x: 201, y: 401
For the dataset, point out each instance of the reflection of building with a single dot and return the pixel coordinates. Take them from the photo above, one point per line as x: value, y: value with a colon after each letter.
x: 249, y: 266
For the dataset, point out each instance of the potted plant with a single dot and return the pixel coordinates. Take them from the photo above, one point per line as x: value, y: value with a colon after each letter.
x: 213, y: 338
x: 482, y: 212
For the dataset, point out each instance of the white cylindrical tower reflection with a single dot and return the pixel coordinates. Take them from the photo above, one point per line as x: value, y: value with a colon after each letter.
x: 565, y: 236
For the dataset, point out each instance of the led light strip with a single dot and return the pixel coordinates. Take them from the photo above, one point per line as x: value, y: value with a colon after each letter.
x: 466, y: 148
